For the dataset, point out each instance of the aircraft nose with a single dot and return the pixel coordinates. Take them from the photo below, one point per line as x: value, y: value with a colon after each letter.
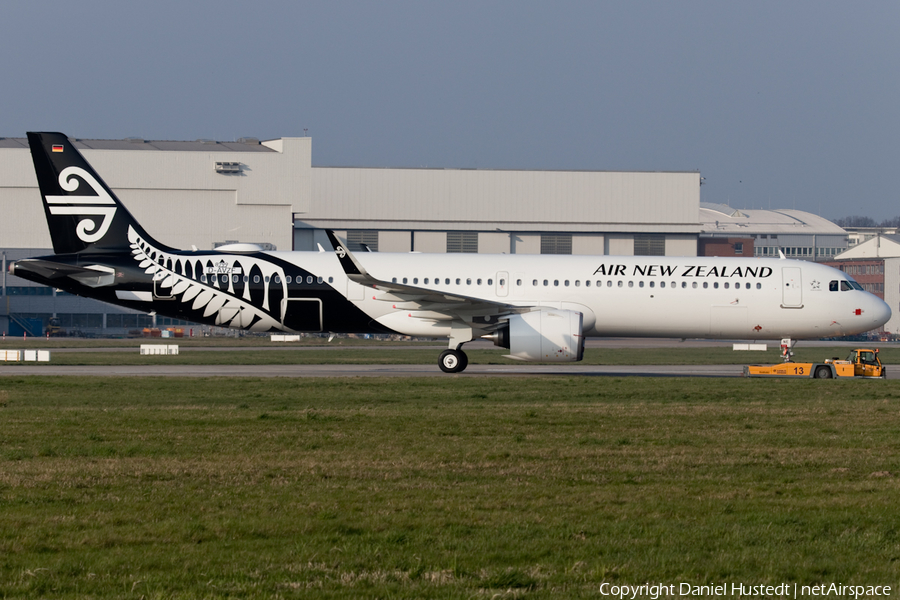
x: 881, y: 312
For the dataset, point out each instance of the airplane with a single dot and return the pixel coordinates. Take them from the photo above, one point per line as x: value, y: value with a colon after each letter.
x: 540, y: 307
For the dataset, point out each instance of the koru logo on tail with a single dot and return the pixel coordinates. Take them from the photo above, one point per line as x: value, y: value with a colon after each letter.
x: 101, y: 205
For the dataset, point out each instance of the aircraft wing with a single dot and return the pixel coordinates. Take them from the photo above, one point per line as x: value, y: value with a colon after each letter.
x: 436, y: 302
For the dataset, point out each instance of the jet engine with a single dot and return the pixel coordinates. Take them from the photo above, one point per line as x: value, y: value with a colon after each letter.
x: 544, y: 335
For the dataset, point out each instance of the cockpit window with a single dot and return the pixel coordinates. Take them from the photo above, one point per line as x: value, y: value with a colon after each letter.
x: 845, y: 286
x: 856, y: 286
x: 833, y: 285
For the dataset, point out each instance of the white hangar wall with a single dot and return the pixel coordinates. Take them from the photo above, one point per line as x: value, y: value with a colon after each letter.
x: 459, y: 198
x: 413, y: 209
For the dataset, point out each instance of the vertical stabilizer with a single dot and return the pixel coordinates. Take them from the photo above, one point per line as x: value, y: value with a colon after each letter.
x: 83, y: 214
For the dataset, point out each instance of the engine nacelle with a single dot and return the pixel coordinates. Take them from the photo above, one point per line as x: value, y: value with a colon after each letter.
x: 545, y: 335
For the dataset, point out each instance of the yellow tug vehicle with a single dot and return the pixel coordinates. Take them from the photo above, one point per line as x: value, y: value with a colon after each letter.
x: 862, y: 362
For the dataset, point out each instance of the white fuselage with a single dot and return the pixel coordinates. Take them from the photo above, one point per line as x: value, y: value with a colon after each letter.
x: 641, y: 296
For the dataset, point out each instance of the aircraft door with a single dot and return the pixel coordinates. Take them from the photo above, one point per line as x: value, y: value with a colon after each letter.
x: 302, y: 314
x: 159, y: 292
x: 792, y: 290
x: 355, y: 291
x: 502, y: 284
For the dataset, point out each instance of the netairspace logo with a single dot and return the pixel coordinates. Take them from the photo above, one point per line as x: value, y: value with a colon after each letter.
x: 653, y: 591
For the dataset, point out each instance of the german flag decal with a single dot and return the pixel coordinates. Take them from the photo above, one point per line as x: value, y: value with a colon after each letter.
x: 57, y: 148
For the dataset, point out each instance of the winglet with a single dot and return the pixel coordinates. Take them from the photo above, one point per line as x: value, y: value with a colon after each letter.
x: 351, y: 266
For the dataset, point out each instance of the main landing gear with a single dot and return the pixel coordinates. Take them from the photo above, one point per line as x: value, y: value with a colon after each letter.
x: 453, y: 361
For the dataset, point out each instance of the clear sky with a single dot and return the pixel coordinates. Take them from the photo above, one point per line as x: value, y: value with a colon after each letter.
x: 777, y: 104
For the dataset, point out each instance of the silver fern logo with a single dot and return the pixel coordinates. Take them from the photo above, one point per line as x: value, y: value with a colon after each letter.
x: 215, y: 296
x: 101, y: 205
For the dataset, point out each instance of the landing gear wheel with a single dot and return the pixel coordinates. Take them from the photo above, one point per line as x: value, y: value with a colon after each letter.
x: 823, y: 373
x: 453, y: 361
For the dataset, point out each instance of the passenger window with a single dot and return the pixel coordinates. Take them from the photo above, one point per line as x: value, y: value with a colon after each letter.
x: 518, y: 282
x: 393, y: 280
x: 468, y: 282
x: 425, y: 281
x: 458, y: 280
x: 309, y: 279
x: 267, y: 279
x: 256, y: 279
x: 566, y: 283
x: 491, y: 282
x: 759, y: 286
x: 640, y: 283
x: 277, y: 279
x: 546, y: 283
x: 716, y: 284
x: 705, y: 284
x: 673, y: 284
x: 608, y: 283
x: 288, y: 279
x: 556, y: 282
x: 203, y: 278
x: 833, y: 285
x: 404, y: 280
x: 534, y: 283
x: 726, y: 285
x: 662, y: 284
x: 620, y: 283
x: 415, y: 280
x: 630, y: 284
x: 447, y: 281
x: 577, y: 283
x: 586, y: 283
x: 478, y: 282
x: 318, y: 280
x: 246, y: 279
x: 331, y: 280
x: 502, y: 282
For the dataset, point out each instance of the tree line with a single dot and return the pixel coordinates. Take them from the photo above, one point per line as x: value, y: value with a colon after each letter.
x: 858, y: 221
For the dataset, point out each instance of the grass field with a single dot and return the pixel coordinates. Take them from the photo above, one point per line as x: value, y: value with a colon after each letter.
x: 436, y: 488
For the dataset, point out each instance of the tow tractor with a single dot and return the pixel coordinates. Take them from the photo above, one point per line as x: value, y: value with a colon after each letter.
x: 862, y: 362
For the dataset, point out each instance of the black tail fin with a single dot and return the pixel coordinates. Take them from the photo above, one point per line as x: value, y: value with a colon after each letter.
x: 82, y: 212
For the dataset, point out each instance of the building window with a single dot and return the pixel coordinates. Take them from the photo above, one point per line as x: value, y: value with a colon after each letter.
x: 649, y: 244
x: 360, y: 239
x: 556, y: 243
x: 739, y: 247
x: 462, y: 241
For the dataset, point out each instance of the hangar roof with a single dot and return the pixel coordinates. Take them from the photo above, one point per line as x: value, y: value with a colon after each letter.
x: 242, y: 145
x: 721, y: 219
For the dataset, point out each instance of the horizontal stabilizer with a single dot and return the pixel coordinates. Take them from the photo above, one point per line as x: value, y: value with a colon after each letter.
x: 92, y: 276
